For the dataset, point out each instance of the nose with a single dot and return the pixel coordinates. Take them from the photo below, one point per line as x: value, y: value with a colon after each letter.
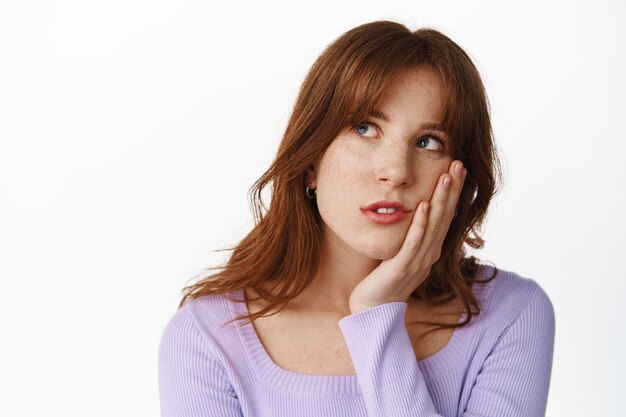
x: 394, y: 166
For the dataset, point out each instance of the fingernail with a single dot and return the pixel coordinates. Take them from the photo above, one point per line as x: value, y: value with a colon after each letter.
x: 458, y: 170
x: 425, y: 208
x: 446, y: 183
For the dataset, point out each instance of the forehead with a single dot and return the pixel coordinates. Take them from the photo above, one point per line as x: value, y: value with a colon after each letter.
x: 411, y: 93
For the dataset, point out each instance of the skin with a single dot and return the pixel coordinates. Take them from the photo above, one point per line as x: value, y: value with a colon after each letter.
x: 365, y: 264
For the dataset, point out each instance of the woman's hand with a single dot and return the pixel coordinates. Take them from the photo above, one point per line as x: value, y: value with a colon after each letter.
x: 397, y: 277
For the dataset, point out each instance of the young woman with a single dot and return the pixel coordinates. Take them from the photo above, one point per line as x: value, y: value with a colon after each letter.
x: 354, y: 290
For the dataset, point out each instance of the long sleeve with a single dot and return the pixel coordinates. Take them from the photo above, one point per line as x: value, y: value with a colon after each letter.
x: 515, y: 378
x: 192, y: 382
x: 513, y: 381
x: 388, y: 374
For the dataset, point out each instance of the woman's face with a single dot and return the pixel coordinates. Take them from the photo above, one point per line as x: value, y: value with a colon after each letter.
x: 371, y: 178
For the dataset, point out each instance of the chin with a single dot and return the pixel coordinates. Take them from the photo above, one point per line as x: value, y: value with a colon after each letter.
x: 382, y: 252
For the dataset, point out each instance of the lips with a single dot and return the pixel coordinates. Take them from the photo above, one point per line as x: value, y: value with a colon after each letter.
x: 387, y: 204
x: 393, y: 212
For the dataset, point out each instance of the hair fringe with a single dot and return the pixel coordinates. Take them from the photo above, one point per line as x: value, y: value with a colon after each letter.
x: 280, y: 255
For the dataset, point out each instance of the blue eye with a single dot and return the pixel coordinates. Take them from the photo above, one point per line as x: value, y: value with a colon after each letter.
x: 365, y: 129
x: 430, y: 143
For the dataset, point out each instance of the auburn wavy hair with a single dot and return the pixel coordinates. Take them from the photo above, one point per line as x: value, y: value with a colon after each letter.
x: 280, y: 256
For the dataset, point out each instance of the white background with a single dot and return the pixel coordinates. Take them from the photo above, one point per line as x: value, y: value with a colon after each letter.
x: 131, y: 131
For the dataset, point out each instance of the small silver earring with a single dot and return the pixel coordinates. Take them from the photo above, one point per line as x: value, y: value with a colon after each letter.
x: 308, y: 192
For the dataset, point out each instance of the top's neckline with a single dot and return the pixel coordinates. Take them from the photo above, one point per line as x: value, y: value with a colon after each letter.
x: 276, y: 377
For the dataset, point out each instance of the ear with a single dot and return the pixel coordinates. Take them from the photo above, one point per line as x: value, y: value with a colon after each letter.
x: 310, y: 177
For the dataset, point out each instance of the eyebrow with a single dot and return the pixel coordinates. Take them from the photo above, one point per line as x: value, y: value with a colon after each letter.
x: 428, y: 125
x: 379, y: 115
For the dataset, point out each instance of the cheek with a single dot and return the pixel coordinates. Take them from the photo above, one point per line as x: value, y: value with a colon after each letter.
x: 339, y: 191
x: 338, y: 171
x: 428, y: 175
x: 333, y: 201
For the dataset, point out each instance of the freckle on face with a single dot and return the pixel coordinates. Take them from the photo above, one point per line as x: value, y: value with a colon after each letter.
x: 356, y: 171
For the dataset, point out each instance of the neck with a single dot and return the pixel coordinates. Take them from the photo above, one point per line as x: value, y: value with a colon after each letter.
x: 340, y: 270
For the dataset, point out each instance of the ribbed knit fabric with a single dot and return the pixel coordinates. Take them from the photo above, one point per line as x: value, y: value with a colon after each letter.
x: 497, y: 366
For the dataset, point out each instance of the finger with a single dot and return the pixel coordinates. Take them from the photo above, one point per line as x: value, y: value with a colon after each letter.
x: 413, y: 239
x: 443, y: 204
x: 438, y: 206
x: 429, y: 227
x: 458, y: 174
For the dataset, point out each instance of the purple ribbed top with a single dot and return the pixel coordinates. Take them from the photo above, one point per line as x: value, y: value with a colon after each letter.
x: 499, y: 365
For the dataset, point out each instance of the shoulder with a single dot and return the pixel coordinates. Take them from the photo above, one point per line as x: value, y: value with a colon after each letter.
x: 515, y: 326
x: 509, y: 296
x: 193, y: 376
x: 511, y: 355
x: 200, y: 321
